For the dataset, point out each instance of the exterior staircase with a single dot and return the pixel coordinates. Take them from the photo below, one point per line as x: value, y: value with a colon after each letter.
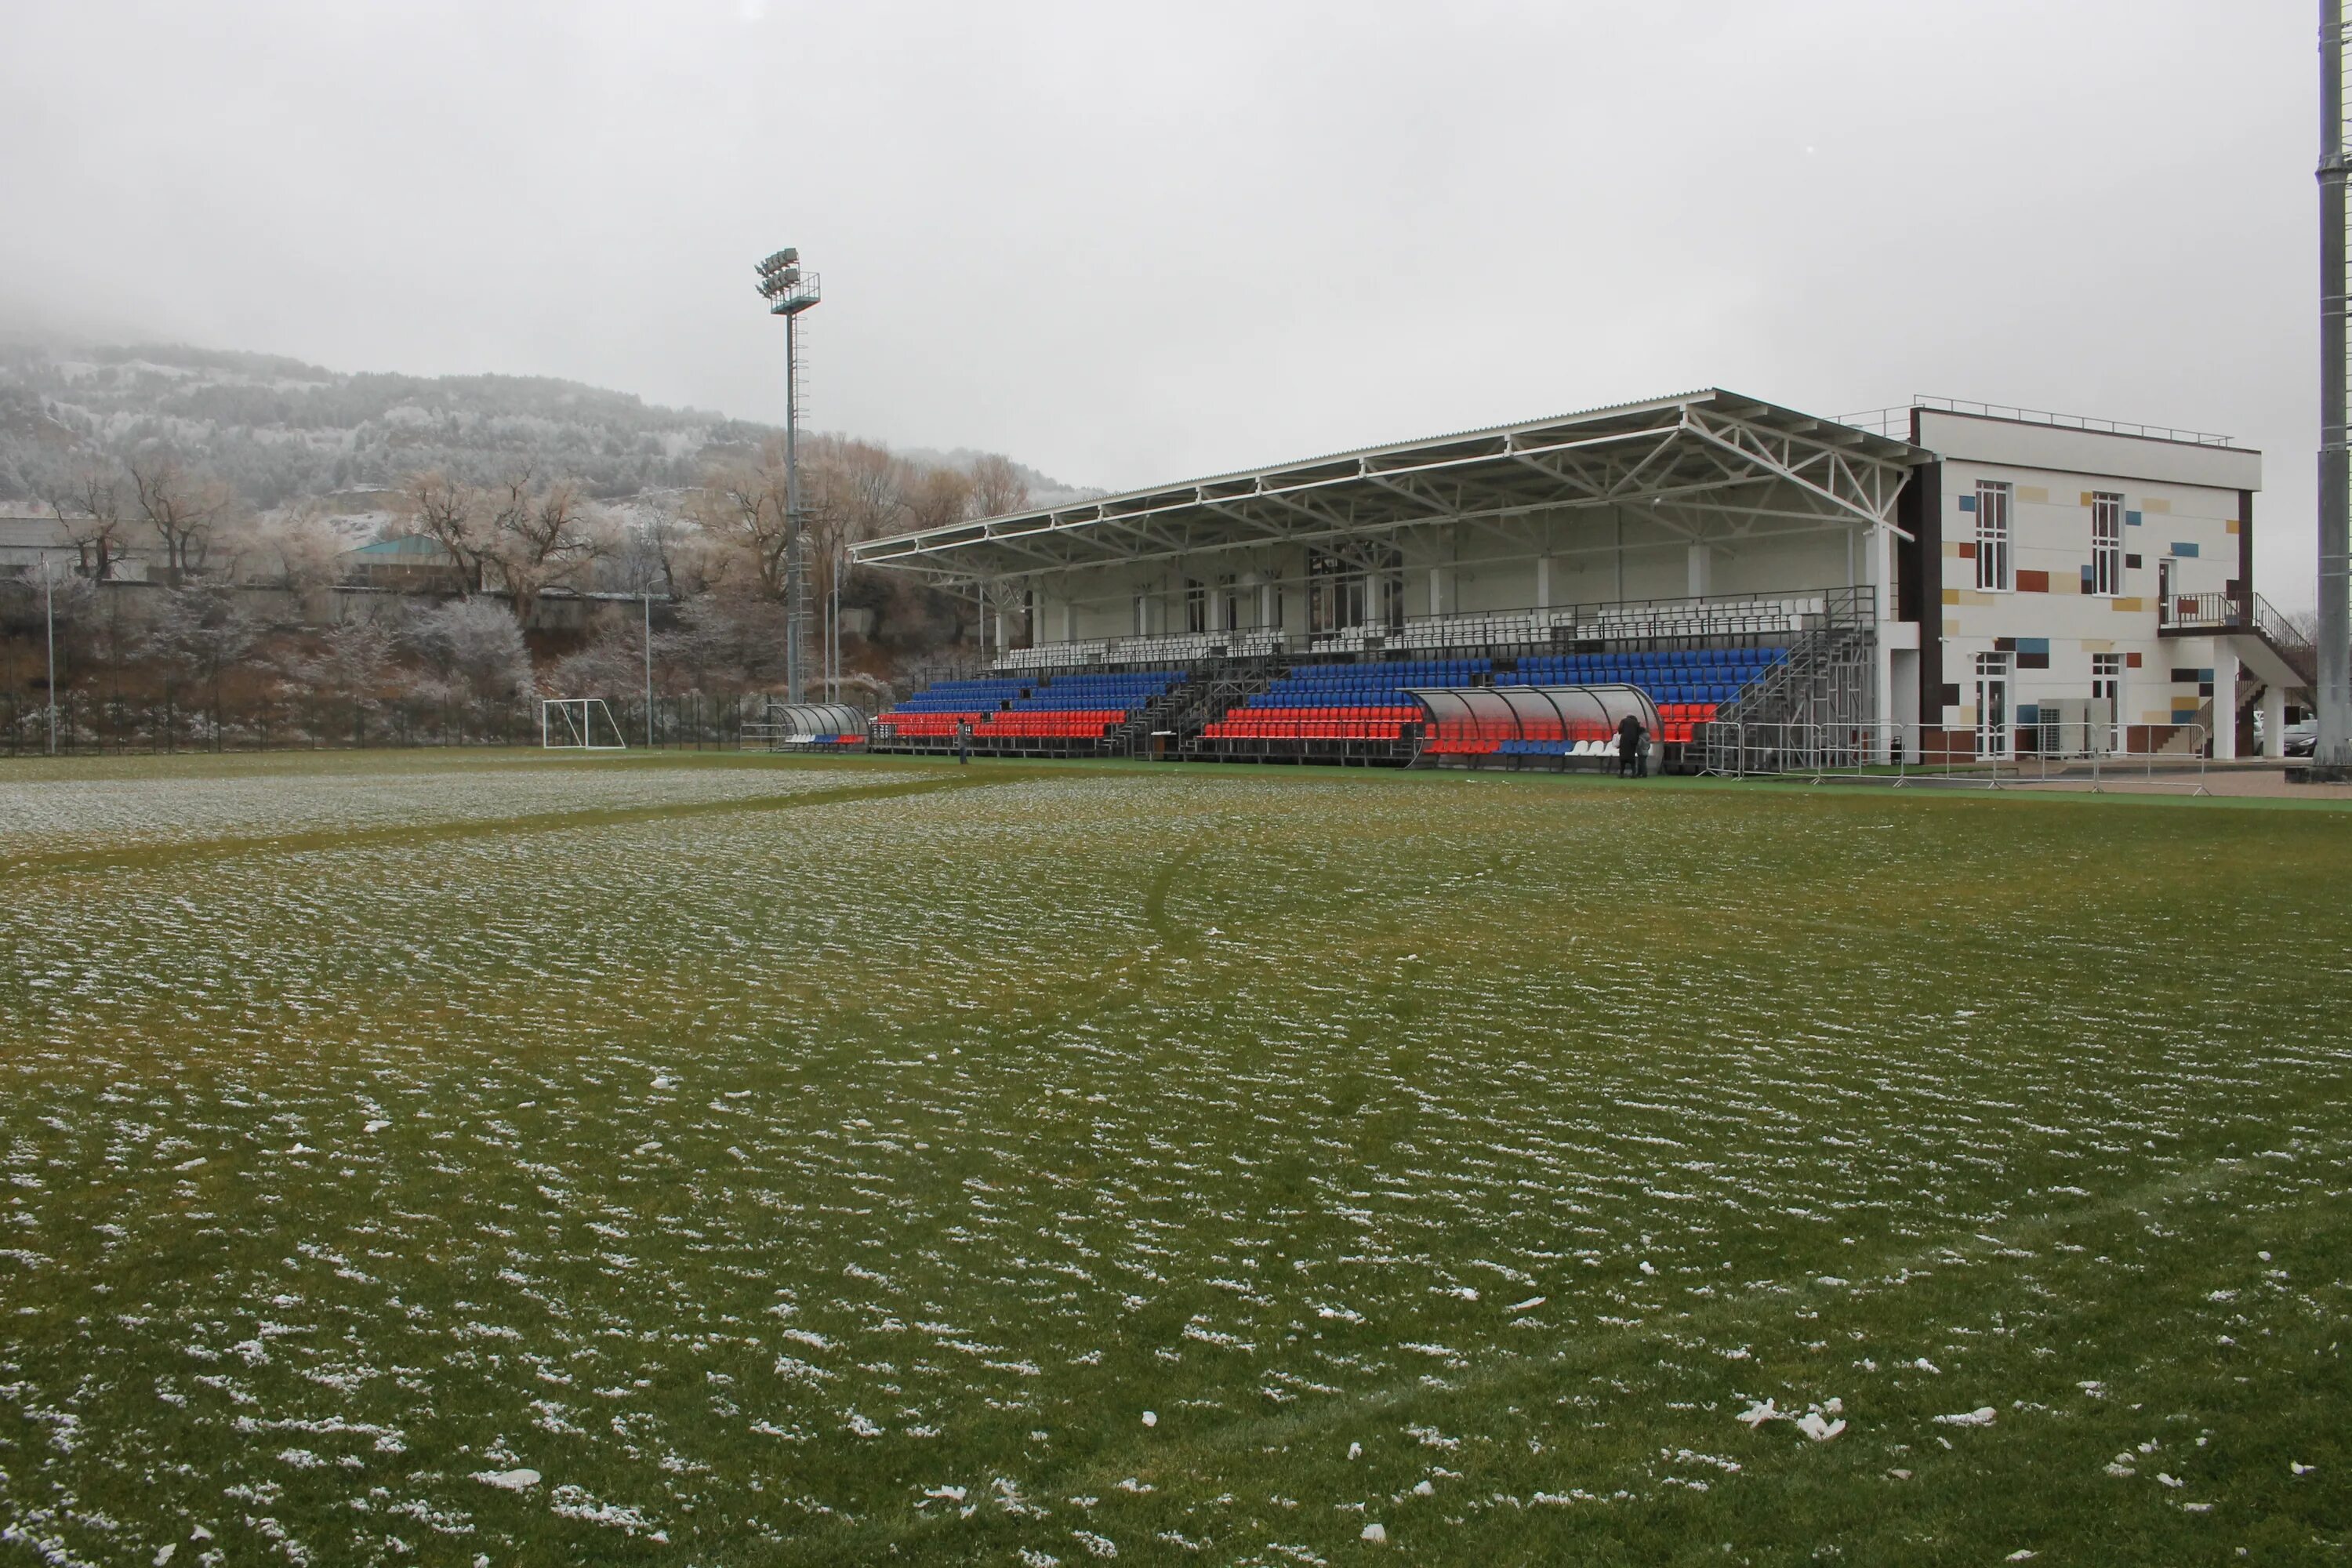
x: 1813, y: 705
x: 1215, y: 694
x: 2268, y: 644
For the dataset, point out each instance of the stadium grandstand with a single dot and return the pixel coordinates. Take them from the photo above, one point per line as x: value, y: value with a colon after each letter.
x: 1938, y: 579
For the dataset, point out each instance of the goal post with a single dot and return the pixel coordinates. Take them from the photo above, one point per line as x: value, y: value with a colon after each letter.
x: 578, y: 724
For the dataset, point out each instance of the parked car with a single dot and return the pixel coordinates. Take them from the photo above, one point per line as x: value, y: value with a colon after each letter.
x: 2302, y: 740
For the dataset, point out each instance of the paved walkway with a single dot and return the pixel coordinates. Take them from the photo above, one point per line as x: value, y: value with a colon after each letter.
x: 2237, y: 780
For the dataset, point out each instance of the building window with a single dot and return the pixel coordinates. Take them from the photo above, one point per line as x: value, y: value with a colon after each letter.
x: 1345, y: 593
x: 2106, y: 544
x: 1335, y: 595
x: 1196, y: 604
x: 1231, y: 616
x: 1992, y: 536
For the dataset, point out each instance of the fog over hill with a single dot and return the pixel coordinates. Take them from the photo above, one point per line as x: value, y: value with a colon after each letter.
x: 281, y: 430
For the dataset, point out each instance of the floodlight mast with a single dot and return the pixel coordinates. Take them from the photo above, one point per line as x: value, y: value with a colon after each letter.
x: 2332, y: 753
x: 788, y: 292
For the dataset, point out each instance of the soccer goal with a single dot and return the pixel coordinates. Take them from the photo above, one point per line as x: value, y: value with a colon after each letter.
x: 578, y: 724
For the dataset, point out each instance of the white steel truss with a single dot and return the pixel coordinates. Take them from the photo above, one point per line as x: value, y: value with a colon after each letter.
x: 1711, y: 466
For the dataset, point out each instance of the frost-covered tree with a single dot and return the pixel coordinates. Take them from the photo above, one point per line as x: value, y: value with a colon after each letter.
x: 474, y: 651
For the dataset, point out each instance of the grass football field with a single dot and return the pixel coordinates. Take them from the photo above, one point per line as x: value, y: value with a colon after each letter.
x: 714, y: 1160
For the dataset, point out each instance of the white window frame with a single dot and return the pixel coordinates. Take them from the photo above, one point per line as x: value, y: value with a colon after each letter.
x: 2107, y: 686
x: 1996, y: 672
x: 2106, y: 544
x: 1996, y: 537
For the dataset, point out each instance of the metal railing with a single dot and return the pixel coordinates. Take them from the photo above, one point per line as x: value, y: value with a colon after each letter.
x: 2087, y: 753
x: 1528, y: 627
x: 2228, y: 613
x: 1896, y: 422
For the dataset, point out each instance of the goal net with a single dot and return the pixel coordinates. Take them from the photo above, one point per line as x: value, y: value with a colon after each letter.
x: 578, y: 724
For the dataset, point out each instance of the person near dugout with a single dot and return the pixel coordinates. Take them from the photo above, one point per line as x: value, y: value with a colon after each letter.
x: 964, y: 742
x: 1630, y: 738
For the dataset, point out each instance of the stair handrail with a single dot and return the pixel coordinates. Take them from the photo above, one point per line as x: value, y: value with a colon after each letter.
x: 2277, y: 630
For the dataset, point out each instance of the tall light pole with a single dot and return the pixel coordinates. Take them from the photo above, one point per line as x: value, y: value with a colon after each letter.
x: 2332, y: 756
x: 788, y: 292
x: 50, y: 614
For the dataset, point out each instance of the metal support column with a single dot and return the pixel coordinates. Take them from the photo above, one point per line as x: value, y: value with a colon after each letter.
x: 2333, y: 756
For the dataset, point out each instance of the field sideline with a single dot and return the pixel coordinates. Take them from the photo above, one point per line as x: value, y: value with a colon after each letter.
x: 716, y: 1159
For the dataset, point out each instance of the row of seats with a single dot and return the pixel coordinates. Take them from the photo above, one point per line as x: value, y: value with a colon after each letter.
x: 1536, y: 728
x: 918, y: 723
x: 1311, y: 724
x: 1678, y: 721
x: 1383, y: 684
x: 1411, y: 671
x: 1125, y: 691
x: 1075, y: 724
x: 1069, y: 708
x: 1472, y: 746
x: 961, y: 697
x: 1681, y: 676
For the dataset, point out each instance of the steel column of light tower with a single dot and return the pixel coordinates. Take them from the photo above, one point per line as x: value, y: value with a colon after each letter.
x: 788, y: 293
x: 2332, y: 756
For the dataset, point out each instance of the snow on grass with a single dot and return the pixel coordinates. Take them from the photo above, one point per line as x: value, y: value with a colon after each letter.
x: 1516, y: 1168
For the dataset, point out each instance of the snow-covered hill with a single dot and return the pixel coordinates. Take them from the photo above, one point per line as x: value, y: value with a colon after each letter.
x: 281, y: 430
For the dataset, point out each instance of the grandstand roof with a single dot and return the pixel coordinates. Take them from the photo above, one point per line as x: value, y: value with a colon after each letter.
x: 1712, y: 463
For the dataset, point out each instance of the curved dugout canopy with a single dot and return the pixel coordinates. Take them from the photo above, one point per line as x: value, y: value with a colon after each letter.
x: 817, y: 718
x: 1534, y: 713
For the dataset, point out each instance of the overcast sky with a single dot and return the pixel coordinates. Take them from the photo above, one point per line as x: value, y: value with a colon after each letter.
x: 1128, y: 243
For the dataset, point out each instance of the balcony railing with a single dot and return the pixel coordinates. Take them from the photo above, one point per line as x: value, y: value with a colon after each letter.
x: 2186, y: 614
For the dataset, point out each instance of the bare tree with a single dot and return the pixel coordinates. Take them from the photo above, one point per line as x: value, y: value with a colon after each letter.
x: 741, y: 507
x: 850, y: 491
x: 182, y: 504
x: 676, y: 554
x: 937, y: 497
x: 450, y: 514
x: 533, y: 539
x: 87, y: 499
x: 296, y: 549
x: 997, y: 485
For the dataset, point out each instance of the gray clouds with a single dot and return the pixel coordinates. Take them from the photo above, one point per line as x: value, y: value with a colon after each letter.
x: 1129, y: 243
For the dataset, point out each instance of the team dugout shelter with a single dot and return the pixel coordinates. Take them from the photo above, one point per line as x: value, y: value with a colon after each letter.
x: 1937, y: 579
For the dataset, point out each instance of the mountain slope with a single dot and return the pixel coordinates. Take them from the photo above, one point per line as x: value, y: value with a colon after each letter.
x: 280, y: 429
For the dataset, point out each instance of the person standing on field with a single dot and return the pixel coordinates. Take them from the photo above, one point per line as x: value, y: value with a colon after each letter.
x: 1629, y: 746
x: 964, y: 742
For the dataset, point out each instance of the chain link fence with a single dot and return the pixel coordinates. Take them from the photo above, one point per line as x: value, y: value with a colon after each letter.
x: 87, y: 725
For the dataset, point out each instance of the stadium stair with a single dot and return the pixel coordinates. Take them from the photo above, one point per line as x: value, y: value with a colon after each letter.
x: 1817, y: 674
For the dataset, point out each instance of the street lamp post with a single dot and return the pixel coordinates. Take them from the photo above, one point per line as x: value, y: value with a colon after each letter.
x: 788, y: 292
x: 50, y: 614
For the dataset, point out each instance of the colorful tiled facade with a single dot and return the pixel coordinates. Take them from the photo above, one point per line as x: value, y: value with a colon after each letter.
x: 2043, y: 556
